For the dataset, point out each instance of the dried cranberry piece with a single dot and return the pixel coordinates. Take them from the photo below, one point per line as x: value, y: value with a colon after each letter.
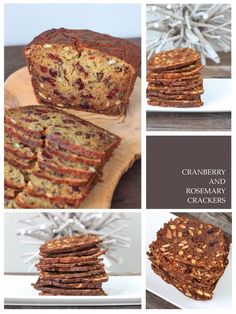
x: 102, y: 135
x: 79, y: 83
x: 50, y: 80
x: 84, y: 106
x: 89, y: 96
x: 112, y: 93
x: 56, y: 92
x: 76, y: 188
x: 63, y: 98
x: 46, y: 154
x: 53, y: 72
x: 81, y: 68
x: 126, y: 69
x: 55, y: 58
x: 43, y: 69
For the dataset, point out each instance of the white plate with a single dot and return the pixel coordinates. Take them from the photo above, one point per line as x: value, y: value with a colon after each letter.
x: 217, y: 98
x: 121, y: 290
x: 222, y: 295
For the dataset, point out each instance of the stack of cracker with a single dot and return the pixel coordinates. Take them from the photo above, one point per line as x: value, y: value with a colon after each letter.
x: 71, y: 266
x: 190, y: 255
x: 174, y: 79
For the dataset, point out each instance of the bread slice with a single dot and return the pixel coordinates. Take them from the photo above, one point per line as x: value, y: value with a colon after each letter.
x: 50, y: 161
x: 53, y: 176
x: 10, y: 193
x: 83, y: 70
x: 18, y: 148
x: 24, y: 200
x: 32, y: 142
x: 60, y: 178
x: 64, y: 154
x: 29, y: 119
x: 9, y: 203
x: 58, y: 192
x: 86, y: 139
x: 33, y: 120
x: 13, y: 177
x: 18, y: 162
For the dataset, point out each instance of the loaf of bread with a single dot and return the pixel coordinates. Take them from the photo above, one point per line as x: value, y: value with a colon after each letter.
x: 52, y: 158
x: 83, y: 70
x: 190, y: 255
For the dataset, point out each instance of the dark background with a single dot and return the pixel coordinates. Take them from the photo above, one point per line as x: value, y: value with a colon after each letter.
x: 168, y: 155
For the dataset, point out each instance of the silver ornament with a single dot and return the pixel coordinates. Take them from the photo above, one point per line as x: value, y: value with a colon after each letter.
x: 45, y: 226
x: 204, y: 27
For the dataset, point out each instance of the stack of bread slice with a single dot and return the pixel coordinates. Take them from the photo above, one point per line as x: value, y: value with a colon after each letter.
x: 52, y: 158
x: 71, y: 265
x: 190, y: 255
x: 174, y: 79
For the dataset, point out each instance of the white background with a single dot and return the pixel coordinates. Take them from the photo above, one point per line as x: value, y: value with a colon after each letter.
x: 25, y: 21
x: 13, y: 262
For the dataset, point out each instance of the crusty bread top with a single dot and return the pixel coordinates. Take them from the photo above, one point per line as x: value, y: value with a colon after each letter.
x: 117, y: 47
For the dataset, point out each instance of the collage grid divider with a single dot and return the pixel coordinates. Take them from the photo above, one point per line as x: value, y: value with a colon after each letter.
x: 143, y: 210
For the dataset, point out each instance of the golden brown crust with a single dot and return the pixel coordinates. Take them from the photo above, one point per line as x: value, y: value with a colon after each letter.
x: 117, y: 47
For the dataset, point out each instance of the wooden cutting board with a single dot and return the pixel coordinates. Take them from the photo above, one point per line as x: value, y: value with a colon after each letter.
x: 19, y: 92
